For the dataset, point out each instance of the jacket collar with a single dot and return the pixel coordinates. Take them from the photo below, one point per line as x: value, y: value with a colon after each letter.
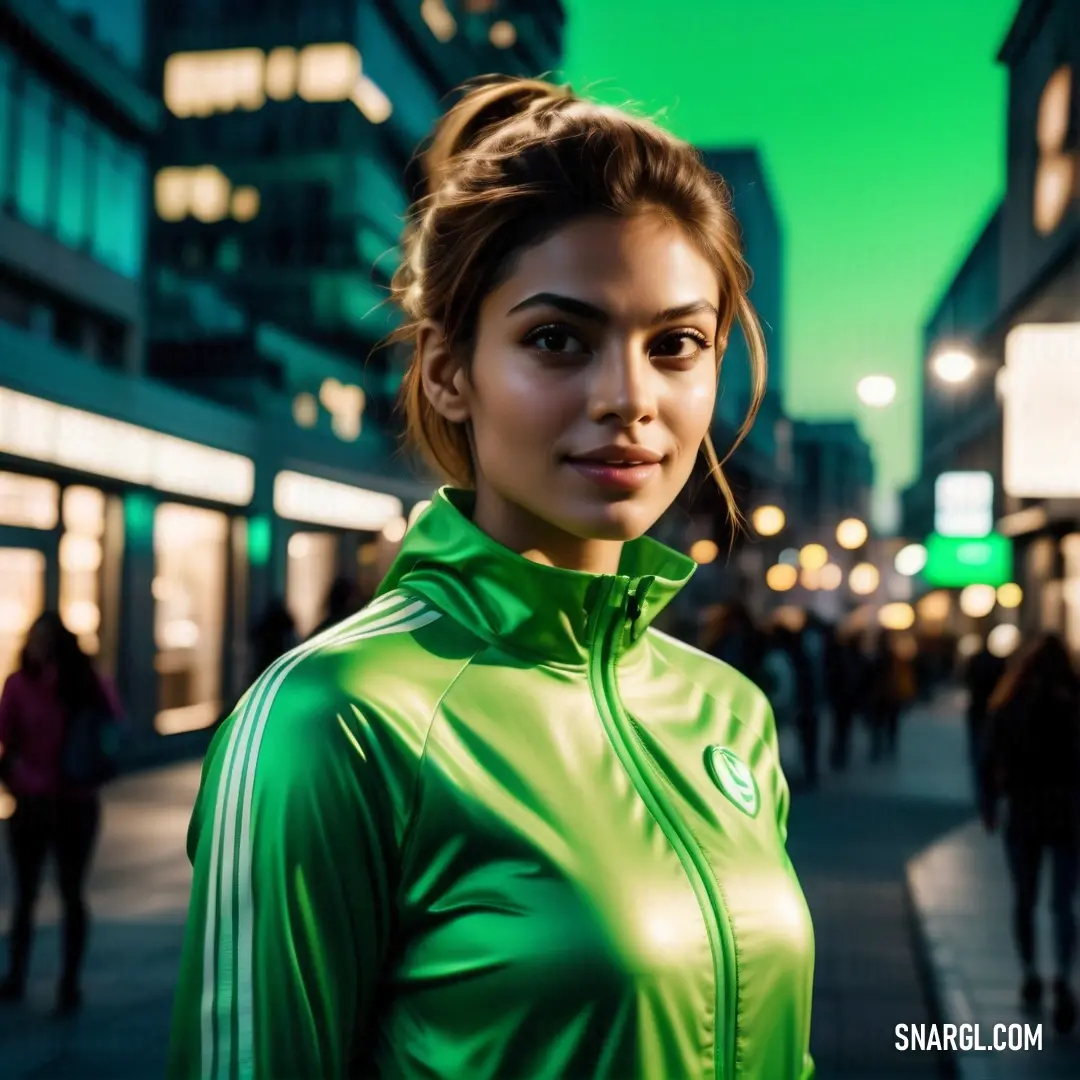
x: 541, y: 612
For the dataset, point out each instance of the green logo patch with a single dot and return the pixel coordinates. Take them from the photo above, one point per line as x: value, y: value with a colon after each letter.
x: 733, y: 777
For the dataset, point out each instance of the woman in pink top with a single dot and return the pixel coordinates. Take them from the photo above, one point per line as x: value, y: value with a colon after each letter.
x: 55, y: 681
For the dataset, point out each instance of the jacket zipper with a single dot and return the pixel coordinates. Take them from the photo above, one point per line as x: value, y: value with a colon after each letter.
x: 617, y: 724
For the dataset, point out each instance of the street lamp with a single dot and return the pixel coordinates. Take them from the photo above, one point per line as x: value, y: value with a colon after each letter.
x: 876, y: 391
x: 768, y: 520
x: 851, y: 533
x: 953, y: 365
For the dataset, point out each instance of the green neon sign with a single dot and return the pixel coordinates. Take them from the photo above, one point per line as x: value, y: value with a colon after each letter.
x: 956, y: 561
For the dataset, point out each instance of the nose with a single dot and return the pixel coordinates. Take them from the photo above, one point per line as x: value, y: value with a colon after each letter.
x: 623, y: 386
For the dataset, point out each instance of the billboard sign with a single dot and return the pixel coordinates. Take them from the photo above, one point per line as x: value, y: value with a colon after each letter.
x: 956, y: 561
x: 964, y: 504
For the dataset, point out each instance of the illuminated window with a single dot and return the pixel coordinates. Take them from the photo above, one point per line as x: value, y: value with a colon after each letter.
x: 245, y: 203
x: 503, y: 34
x: 32, y: 155
x: 73, y: 212
x: 371, y: 101
x: 189, y: 589
x: 311, y: 569
x: 201, y: 84
x: 328, y: 72
x: 281, y: 74
x: 28, y: 502
x: 80, y: 564
x: 438, y: 19
x: 1055, y: 177
x: 208, y: 194
x: 22, y: 599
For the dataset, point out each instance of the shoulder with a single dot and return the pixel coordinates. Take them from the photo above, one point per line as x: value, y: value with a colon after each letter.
x: 717, y: 678
x: 374, y: 678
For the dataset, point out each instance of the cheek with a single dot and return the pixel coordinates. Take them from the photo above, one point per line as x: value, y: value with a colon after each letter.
x: 694, y: 405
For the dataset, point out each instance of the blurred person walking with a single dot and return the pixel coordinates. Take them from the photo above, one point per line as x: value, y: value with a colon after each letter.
x: 274, y: 635
x: 981, y: 675
x: 890, y: 687
x: 56, y: 716
x: 343, y: 599
x: 1031, y: 760
x: 843, y: 680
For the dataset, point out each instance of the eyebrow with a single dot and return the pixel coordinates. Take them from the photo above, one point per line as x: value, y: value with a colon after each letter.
x: 585, y: 310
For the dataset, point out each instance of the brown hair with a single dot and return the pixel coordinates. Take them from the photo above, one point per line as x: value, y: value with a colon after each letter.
x: 509, y: 164
x: 1045, y: 661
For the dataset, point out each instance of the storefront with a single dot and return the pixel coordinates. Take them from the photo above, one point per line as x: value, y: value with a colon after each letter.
x: 138, y: 539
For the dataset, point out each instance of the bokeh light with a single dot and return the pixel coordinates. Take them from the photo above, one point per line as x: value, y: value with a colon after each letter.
x: 977, y: 601
x: 910, y: 560
x: 704, y: 551
x: 781, y: 577
x: 877, y: 391
x: 864, y: 579
x: 1010, y: 595
x: 953, y: 365
x: 831, y: 577
x: 897, y: 616
x: 1003, y: 640
x: 768, y: 520
x: 851, y: 533
x: 813, y: 557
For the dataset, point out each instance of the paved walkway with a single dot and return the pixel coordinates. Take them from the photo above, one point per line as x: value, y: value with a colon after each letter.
x: 961, y: 900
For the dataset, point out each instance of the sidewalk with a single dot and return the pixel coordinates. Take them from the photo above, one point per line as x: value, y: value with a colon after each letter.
x: 138, y: 893
x: 961, y: 900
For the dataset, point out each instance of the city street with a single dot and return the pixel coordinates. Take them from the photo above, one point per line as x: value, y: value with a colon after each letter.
x: 849, y: 841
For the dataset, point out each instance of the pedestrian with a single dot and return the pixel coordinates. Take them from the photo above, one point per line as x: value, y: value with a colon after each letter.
x: 497, y: 825
x: 273, y: 636
x: 53, y: 695
x: 1031, y: 760
x: 342, y: 600
x: 981, y: 676
x: 843, y: 678
x: 890, y: 688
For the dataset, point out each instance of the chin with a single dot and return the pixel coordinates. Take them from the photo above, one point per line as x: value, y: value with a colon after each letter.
x: 624, y: 520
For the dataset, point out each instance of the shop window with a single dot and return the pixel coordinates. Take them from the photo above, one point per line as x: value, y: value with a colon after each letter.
x: 311, y: 569
x: 73, y: 216
x: 28, y: 502
x: 83, y: 516
x: 32, y: 156
x: 22, y: 599
x: 189, y: 588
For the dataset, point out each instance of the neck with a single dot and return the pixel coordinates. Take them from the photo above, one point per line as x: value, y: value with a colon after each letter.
x: 541, y: 542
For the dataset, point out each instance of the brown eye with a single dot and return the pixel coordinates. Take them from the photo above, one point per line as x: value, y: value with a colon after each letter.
x: 681, y: 346
x: 555, y: 339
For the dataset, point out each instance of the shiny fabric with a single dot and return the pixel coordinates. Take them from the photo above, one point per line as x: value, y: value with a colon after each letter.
x: 496, y: 828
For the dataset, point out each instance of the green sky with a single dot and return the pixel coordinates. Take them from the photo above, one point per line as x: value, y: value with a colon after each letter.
x: 881, y: 125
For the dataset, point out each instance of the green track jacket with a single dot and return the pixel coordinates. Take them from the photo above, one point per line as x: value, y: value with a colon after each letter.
x: 494, y: 827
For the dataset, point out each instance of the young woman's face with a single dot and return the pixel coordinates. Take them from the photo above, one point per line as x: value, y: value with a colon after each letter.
x: 592, y: 386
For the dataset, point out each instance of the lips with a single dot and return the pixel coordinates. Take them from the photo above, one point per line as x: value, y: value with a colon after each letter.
x: 618, y: 456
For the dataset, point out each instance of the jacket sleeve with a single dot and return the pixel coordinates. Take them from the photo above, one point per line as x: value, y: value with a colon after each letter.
x: 291, y: 842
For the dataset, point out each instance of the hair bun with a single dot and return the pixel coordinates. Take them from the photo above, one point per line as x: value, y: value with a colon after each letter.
x: 488, y: 101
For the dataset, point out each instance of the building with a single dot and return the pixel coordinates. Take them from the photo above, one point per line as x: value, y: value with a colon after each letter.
x: 1008, y: 406
x: 282, y: 175
x: 759, y: 462
x: 833, y: 475
x: 158, y: 516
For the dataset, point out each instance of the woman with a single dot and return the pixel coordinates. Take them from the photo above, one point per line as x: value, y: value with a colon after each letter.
x: 494, y: 825
x: 55, y: 683
x: 1032, y: 759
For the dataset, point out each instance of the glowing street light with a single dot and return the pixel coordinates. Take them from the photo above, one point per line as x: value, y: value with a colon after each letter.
x: 1010, y: 595
x: 864, y: 579
x: 876, y: 391
x: 977, y: 601
x: 813, y: 557
x: 781, y: 577
x: 851, y: 533
x: 910, y: 560
x: 768, y: 520
x: 953, y: 365
x: 897, y: 616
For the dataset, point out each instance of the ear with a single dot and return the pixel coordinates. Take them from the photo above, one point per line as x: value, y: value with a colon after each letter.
x: 443, y: 377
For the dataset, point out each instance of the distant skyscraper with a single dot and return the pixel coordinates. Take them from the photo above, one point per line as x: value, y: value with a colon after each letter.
x: 281, y: 169
x: 743, y: 171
